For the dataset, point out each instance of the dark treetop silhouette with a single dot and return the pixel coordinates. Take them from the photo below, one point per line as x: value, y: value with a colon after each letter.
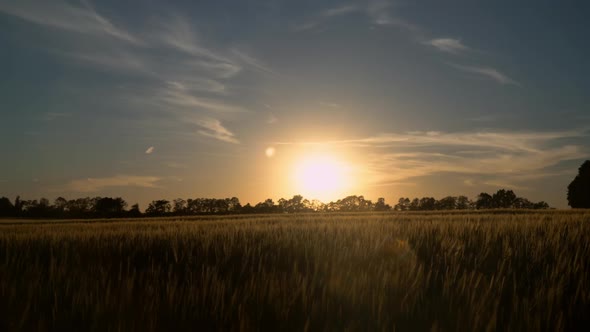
x: 578, y: 192
x: 106, y: 207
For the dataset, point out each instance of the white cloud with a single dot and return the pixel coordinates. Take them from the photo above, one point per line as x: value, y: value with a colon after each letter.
x: 448, y: 45
x: 339, y: 11
x: 78, y: 17
x: 251, y: 62
x: 177, y: 95
x: 380, y: 13
x: 149, y: 150
x: 213, y: 128
x: 326, y: 15
x: 489, y: 73
x: 271, y: 119
x: 97, y: 184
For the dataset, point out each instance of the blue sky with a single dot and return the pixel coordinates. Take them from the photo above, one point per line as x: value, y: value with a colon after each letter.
x: 166, y: 99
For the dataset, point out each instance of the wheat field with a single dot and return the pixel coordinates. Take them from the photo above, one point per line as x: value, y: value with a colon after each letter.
x: 475, y: 271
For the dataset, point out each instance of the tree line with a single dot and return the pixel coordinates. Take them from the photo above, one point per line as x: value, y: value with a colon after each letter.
x: 107, y: 207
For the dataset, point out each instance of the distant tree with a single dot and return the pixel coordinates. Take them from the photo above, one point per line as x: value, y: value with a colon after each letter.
x: 233, y: 205
x: 294, y: 204
x: 463, y: 203
x: 179, y: 206
x: 59, y: 206
x: 541, y: 205
x: 504, y: 199
x: 158, y: 208
x: 414, y: 205
x: 18, y: 205
x: 107, y: 207
x: 6, y: 208
x: 268, y: 206
x: 578, y: 191
x: 315, y: 205
x: 523, y: 203
x: 247, y: 209
x: 427, y: 203
x: 403, y: 204
x: 381, y: 206
x: 80, y: 207
x: 447, y: 203
x: 134, y: 212
x: 484, y: 201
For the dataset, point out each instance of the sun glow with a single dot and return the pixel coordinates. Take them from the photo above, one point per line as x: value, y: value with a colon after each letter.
x: 322, y: 177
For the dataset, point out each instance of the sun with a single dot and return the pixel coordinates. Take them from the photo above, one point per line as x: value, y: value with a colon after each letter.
x: 322, y: 177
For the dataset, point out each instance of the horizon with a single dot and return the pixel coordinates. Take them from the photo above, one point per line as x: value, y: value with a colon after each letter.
x: 324, y: 99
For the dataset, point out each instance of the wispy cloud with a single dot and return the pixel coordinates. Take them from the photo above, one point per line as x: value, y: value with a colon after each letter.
x: 272, y: 119
x: 489, y: 73
x: 213, y: 128
x: 251, y: 62
x: 97, y: 184
x: 184, y: 78
x: 397, y: 157
x: 326, y: 15
x: 448, y: 45
x: 149, y: 150
x: 330, y: 104
x: 73, y: 16
x: 381, y: 13
x: 338, y: 11
x: 176, y: 94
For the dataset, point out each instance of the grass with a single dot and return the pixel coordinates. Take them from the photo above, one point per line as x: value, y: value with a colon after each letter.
x: 408, y: 271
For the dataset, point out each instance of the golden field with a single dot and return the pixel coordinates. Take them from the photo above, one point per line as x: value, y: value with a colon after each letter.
x: 469, y: 271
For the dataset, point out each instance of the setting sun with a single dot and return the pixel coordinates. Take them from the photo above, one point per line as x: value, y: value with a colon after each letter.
x: 322, y: 177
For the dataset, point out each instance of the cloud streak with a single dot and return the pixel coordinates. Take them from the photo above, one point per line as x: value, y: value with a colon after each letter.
x: 380, y: 13
x: 396, y: 157
x: 449, y: 45
x: 488, y: 73
x: 97, y: 184
x: 77, y: 17
x: 182, y: 78
x: 214, y: 129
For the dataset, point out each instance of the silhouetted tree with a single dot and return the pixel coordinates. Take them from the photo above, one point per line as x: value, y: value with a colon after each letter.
x: 414, y: 205
x: 134, y: 212
x: 59, y: 207
x: 180, y: 206
x: 381, y: 206
x: 427, y: 203
x: 268, y: 206
x: 463, y: 203
x: 540, y: 205
x: 484, y: 201
x: 158, y: 208
x: 6, y: 208
x: 446, y: 203
x: 504, y: 199
x: 107, y: 207
x: 403, y: 204
x: 578, y: 191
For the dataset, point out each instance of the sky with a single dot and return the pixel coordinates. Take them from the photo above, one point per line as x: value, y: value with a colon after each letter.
x: 166, y: 99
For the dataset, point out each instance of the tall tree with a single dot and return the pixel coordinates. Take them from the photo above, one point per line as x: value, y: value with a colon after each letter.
x: 578, y: 191
x: 484, y: 201
x: 6, y: 208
